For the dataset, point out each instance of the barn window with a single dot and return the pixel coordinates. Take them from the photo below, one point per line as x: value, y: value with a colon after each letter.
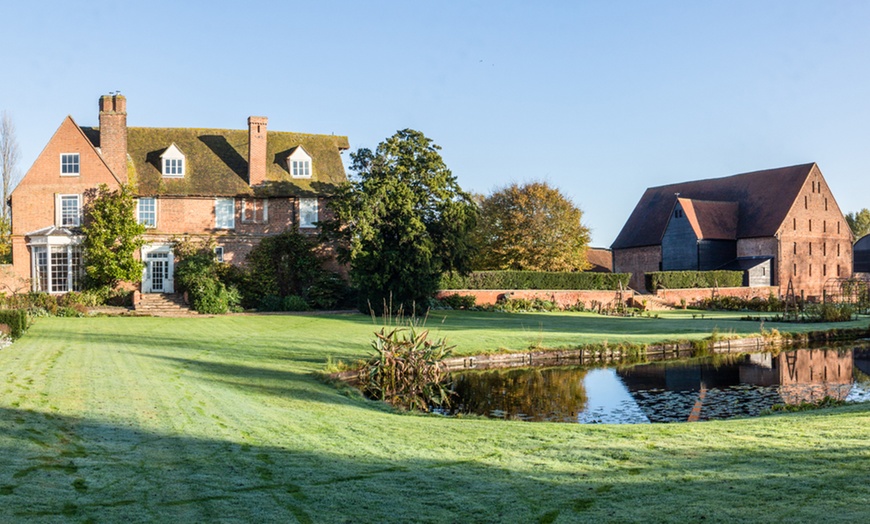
x: 811, y: 270
x: 824, y: 270
x: 811, y: 224
x: 838, y: 228
x: 838, y: 269
x: 838, y: 249
x: 811, y: 248
x: 824, y: 248
x: 794, y: 249
x: 794, y: 270
x: 806, y: 206
x: 794, y: 223
x: 824, y: 226
x: 826, y: 203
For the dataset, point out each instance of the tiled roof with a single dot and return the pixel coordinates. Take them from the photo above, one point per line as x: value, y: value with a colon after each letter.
x: 764, y: 199
x: 216, y: 162
x: 601, y: 260
x: 711, y: 220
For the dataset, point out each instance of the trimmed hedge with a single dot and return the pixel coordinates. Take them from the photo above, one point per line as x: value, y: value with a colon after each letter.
x: 535, y: 280
x: 16, y: 319
x: 690, y: 279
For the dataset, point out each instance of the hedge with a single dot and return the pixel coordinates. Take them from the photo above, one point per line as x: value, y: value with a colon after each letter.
x: 690, y: 279
x: 534, y: 280
x: 16, y: 319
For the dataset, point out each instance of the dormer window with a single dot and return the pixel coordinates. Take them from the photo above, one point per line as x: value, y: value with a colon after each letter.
x: 299, y: 163
x: 173, y: 162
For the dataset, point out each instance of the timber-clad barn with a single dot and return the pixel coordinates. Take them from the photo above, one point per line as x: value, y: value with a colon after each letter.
x: 776, y: 225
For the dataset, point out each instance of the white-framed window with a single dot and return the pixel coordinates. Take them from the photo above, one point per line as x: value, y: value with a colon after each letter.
x: 301, y: 168
x: 69, y: 164
x: 308, y: 212
x: 255, y: 210
x: 147, y: 212
x: 57, y: 269
x: 173, y: 167
x: 299, y: 163
x: 68, y: 210
x: 225, y: 213
x: 219, y: 253
x: 172, y: 162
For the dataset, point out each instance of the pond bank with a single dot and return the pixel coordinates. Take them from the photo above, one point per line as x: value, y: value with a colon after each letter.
x: 604, y: 353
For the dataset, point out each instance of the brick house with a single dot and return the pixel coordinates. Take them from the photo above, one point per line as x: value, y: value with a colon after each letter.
x: 234, y: 186
x: 778, y: 225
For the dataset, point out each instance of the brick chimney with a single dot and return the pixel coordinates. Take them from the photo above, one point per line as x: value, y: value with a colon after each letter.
x: 257, y: 149
x: 113, y: 134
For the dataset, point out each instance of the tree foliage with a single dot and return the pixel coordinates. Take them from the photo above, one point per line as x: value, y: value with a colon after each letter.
x: 531, y: 227
x: 859, y: 222
x: 401, y: 221
x: 112, y: 236
x: 288, y: 267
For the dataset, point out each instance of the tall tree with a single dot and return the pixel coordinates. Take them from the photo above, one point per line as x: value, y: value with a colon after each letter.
x: 112, y: 236
x: 8, y: 165
x: 8, y: 160
x: 531, y: 227
x: 859, y: 222
x: 401, y: 222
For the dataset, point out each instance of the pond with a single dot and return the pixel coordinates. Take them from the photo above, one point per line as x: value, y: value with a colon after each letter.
x: 717, y: 387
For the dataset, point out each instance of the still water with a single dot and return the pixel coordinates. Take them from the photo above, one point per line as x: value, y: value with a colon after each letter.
x: 718, y: 387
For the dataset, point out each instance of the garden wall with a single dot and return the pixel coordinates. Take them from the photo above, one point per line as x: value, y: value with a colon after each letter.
x: 693, y: 295
x: 564, y: 298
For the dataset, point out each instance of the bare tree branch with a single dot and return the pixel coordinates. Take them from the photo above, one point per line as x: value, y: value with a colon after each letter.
x: 8, y: 159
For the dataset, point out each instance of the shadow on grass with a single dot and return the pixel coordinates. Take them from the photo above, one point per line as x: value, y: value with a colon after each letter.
x: 56, y: 467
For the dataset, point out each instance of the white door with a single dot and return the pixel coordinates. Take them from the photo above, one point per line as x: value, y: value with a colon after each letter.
x: 158, y: 273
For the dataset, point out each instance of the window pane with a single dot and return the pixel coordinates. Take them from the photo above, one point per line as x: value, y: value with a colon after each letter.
x: 307, y: 212
x: 224, y: 213
x: 69, y: 211
x: 59, y: 269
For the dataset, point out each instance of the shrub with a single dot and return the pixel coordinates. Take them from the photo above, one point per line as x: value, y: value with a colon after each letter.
x: 198, y: 274
x: 407, y: 370
x: 534, y: 280
x: 16, y: 319
x: 329, y: 291
x: 457, y: 301
x: 294, y: 303
x: 270, y: 303
x: 689, y: 279
x: 286, y: 265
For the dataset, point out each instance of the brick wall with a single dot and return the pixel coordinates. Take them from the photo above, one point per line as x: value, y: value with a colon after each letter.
x: 815, y: 240
x: 694, y: 295
x: 638, y: 261
x: 33, y: 200
x: 564, y: 298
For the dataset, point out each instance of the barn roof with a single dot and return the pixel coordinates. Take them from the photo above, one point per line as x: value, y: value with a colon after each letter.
x: 763, y: 197
x: 711, y: 220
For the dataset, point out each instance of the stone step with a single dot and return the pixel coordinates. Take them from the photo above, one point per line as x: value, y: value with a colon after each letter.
x: 162, y: 303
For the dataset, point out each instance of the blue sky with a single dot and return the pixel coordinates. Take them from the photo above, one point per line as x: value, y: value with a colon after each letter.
x: 601, y: 99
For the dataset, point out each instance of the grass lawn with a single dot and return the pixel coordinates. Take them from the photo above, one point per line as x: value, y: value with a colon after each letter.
x: 219, y: 419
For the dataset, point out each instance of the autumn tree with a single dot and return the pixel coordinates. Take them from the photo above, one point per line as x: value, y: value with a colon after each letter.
x: 401, y: 222
x: 859, y: 222
x: 531, y: 227
x: 112, y: 236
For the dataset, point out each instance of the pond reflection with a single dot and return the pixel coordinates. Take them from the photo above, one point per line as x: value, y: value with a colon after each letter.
x: 718, y: 387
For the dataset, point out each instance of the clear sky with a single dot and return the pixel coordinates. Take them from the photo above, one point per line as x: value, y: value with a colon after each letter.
x: 601, y: 99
